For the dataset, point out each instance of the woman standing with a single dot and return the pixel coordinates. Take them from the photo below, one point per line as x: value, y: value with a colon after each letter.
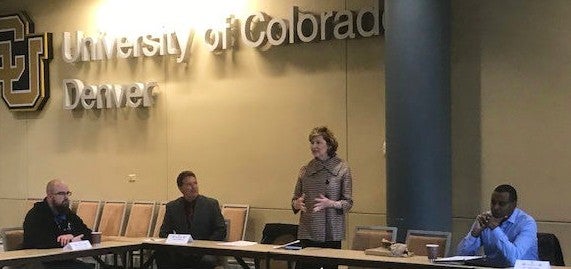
x: 322, y: 195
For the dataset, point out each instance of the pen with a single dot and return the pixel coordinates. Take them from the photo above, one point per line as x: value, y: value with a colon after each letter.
x: 288, y: 244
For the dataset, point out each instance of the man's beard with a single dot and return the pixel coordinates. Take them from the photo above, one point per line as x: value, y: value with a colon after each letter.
x: 63, y: 208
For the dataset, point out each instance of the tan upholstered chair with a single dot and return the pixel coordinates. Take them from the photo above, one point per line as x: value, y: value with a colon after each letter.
x: 140, y: 219
x: 139, y: 225
x: 160, y: 218
x: 366, y: 237
x: 416, y: 241
x: 112, y: 218
x: 238, y: 216
x: 372, y: 236
x: 161, y: 209
x: 12, y: 238
x: 89, y: 212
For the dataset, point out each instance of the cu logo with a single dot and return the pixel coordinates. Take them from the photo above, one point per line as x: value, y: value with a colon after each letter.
x: 24, y: 60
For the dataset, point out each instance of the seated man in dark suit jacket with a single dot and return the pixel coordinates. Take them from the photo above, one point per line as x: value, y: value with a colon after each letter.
x: 193, y: 214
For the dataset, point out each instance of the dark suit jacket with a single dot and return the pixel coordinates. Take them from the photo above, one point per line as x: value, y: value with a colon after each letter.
x: 207, y: 221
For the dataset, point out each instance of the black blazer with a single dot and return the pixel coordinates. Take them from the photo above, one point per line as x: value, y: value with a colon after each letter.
x: 207, y: 222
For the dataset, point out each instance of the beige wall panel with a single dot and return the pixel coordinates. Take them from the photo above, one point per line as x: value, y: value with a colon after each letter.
x: 68, y: 15
x: 526, y: 103
x: 96, y: 149
x: 465, y: 109
x: 13, y: 171
x: 460, y: 228
x: 95, y: 153
x: 237, y: 140
x: 366, y: 119
x: 241, y: 121
x: 13, y: 212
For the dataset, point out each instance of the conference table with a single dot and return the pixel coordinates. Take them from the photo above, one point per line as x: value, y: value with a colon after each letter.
x: 351, y: 258
x: 312, y: 255
x: 30, y: 256
x: 122, y: 246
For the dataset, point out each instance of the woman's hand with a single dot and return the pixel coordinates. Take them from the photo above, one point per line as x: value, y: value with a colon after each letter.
x: 299, y: 203
x: 322, y: 202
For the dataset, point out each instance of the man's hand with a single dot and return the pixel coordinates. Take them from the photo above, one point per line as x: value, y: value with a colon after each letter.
x: 64, y: 239
x: 77, y: 238
x: 322, y: 202
x: 299, y: 203
x: 481, y: 223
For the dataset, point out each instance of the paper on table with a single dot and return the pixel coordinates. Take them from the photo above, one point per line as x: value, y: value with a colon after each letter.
x: 78, y: 245
x: 458, y: 258
x: 525, y: 264
x: 238, y: 243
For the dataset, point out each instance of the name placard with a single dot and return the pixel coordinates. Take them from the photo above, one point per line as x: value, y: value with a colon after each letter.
x: 179, y: 239
x: 527, y: 264
x: 78, y: 245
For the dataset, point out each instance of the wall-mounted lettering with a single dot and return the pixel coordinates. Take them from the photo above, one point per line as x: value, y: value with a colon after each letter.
x: 104, y: 96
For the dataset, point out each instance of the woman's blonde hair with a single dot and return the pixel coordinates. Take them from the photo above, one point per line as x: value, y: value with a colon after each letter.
x: 328, y: 136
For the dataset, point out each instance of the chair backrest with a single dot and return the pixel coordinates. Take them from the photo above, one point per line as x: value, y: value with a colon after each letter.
x: 112, y: 218
x: 140, y: 219
x: 372, y: 236
x: 279, y: 233
x: 238, y: 216
x: 549, y: 249
x: 416, y: 241
x: 30, y: 203
x: 89, y: 212
x: 12, y: 238
x: 160, y: 218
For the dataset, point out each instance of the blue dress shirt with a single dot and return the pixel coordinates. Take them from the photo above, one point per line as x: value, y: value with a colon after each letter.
x: 515, y: 239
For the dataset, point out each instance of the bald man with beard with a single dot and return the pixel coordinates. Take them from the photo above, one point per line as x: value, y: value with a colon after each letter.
x: 51, y: 224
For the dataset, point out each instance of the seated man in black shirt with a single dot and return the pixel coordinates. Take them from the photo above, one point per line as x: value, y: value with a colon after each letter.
x: 51, y: 224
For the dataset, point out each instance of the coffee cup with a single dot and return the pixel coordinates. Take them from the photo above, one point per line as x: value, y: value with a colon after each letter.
x: 95, y: 238
x: 432, y: 251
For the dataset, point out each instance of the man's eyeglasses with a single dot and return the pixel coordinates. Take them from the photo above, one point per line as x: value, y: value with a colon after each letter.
x: 63, y: 193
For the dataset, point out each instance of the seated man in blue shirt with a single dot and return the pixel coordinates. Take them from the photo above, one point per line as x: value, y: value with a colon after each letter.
x: 506, y: 233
